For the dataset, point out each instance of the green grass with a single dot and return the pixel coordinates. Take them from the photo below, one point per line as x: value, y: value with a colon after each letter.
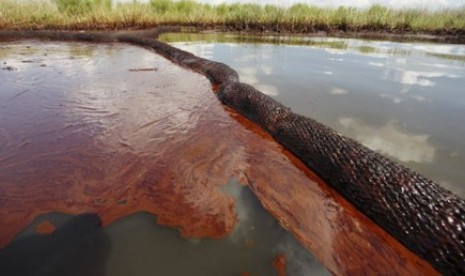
x: 100, y: 14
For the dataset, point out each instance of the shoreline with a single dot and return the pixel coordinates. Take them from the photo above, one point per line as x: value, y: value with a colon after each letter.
x: 444, y: 36
x: 385, y: 35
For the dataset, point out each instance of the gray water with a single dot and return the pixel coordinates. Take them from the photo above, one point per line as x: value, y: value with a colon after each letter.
x: 405, y: 100
x: 145, y: 247
x: 136, y: 245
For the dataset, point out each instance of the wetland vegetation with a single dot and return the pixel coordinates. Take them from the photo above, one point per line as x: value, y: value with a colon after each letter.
x: 102, y: 14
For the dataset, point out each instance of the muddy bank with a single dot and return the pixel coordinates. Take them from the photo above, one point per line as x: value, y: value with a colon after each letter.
x: 103, y: 36
x: 405, y: 34
x: 153, y: 190
x: 442, y: 36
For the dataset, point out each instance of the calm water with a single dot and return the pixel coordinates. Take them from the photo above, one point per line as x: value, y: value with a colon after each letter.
x: 405, y: 100
x: 111, y: 129
x: 136, y: 245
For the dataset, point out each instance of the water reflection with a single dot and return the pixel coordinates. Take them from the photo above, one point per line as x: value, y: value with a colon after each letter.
x: 141, y: 247
x: 410, y: 75
x: 81, y: 51
x: 390, y: 140
x: 339, y: 91
x: 333, y: 45
x: 136, y: 245
x: 418, y: 86
x: 453, y: 57
x: 254, y: 64
x: 417, y: 78
x: 254, y: 39
x: 77, y: 247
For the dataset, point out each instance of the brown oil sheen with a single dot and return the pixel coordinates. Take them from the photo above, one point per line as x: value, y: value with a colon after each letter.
x: 81, y: 134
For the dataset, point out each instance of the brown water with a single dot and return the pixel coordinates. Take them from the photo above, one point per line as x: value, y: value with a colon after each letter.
x: 119, y: 131
x: 405, y: 100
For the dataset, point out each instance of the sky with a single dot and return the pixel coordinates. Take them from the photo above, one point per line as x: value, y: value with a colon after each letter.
x: 430, y: 4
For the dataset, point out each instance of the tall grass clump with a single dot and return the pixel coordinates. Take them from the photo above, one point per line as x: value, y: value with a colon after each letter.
x: 27, y: 14
x: 161, y: 6
x: 80, y: 7
x: 378, y: 17
x: 343, y: 18
x: 181, y: 11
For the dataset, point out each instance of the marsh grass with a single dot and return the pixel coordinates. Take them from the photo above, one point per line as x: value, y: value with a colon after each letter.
x: 100, y: 14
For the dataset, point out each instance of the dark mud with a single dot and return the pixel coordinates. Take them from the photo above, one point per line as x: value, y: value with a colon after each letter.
x: 343, y: 31
x: 454, y: 36
x: 444, y: 36
x: 289, y: 203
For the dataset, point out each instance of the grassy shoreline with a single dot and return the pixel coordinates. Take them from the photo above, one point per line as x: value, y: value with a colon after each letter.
x: 299, y: 18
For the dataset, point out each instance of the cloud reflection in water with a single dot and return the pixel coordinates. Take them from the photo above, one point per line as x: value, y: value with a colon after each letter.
x: 410, y: 92
x: 261, y: 59
x: 389, y: 139
x: 339, y: 91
